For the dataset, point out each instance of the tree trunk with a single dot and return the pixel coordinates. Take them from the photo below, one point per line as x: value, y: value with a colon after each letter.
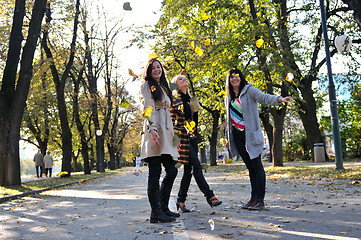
x: 306, y: 108
x: 13, y: 98
x: 213, y: 138
x: 307, y: 113
x: 79, y: 125
x: 265, y: 118
x: 75, y: 162
x: 276, y: 140
x: 202, y: 149
x: 277, y: 150
x: 92, y: 83
x: 111, y: 157
x: 355, y: 5
x: 66, y: 137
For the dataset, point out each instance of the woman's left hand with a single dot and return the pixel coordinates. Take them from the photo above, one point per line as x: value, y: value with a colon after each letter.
x: 154, y: 135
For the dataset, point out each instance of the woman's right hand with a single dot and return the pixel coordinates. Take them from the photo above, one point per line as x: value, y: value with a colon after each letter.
x: 154, y: 135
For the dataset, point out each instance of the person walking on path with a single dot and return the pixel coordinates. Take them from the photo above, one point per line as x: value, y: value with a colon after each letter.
x: 48, y: 164
x: 185, y: 119
x: 38, y: 160
x: 244, y: 133
x: 157, y: 146
x: 137, y: 165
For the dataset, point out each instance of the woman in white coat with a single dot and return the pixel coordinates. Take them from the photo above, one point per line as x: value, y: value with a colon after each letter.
x: 157, y: 141
x: 244, y: 133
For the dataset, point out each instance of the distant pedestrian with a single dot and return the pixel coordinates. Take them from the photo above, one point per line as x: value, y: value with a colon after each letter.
x: 137, y: 164
x: 38, y: 159
x: 48, y: 164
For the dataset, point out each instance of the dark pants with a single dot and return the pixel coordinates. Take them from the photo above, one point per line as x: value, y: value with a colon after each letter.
x: 46, y: 172
x: 257, y: 174
x: 194, y: 165
x: 155, y: 170
x: 37, y: 171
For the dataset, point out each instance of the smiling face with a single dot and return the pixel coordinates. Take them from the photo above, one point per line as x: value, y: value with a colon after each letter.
x: 156, y: 71
x: 235, y: 80
x: 182, y: 82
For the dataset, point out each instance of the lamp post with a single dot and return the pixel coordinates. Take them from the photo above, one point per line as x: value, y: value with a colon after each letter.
x: 332, y: 93
x: 99, y: 154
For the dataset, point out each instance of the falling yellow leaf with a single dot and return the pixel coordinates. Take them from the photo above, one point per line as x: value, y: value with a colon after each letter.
x: 184, y: 28
x: 259, y: 43
x: 223, y: 141
x: 131, y: 73
x: 230, y: 56
x: 83, y: 180
x: 153, y: 55
x: 148, y: 112
x: 191, y: 44
x: 180, y: 107
x: 207, y: 42
x: 205, y: 16
x: 199, y: 51
x: 190, y: 126
x: 215, y: 63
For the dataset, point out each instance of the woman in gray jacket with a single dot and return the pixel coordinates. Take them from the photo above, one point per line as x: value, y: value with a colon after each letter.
x: 245, y: 137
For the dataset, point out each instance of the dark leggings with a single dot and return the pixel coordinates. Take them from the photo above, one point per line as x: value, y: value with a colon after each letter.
x: 257, y: 174
x: 155, y: 170
x: 194, y: 165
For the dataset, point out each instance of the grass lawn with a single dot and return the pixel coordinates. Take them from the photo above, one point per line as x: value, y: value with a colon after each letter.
x: 49, y: 182
x: 352, y: 173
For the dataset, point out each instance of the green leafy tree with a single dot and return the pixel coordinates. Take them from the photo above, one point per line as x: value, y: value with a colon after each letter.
x: 60, y: 83
x: 15, y: 88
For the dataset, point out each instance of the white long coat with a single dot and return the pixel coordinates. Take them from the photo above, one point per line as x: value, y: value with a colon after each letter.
x: 161, y: 122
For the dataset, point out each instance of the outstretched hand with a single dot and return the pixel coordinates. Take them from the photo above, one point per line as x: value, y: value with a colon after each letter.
x: 287, y: 99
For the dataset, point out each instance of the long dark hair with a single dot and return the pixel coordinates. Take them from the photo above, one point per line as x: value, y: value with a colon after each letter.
x: 157, y: 94
x: 243, y: 83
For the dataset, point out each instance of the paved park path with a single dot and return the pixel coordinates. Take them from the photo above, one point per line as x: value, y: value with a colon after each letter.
x: 116, y: 207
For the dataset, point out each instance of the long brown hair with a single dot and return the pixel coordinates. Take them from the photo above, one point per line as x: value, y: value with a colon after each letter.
x: 229, y: 86
x: 157, y: 94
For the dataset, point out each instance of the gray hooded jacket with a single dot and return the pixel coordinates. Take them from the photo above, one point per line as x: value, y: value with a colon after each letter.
x: 250, y: 97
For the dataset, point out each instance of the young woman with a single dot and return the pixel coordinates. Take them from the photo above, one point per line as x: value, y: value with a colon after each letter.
x: 182, y: 113
x: 245, y: 137
x: 157, y: 141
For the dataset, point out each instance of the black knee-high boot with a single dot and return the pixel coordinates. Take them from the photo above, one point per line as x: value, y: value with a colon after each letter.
x: 165, y: 191
x: 157, y: 215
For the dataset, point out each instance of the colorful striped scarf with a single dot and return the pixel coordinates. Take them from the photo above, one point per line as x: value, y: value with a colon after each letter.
x: 235, y: 111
